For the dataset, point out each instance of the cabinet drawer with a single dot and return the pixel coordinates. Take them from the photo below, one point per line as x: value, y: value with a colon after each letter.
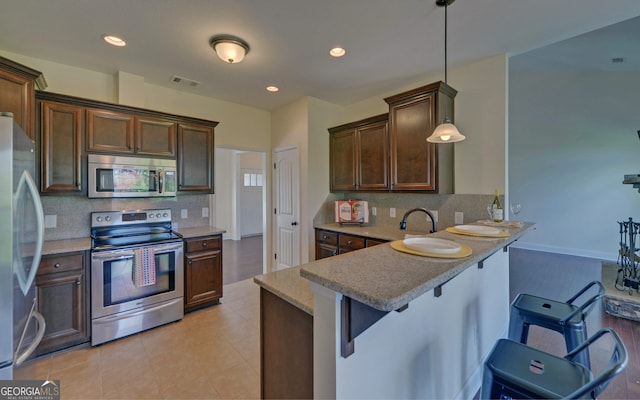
x: 205, y: 243
x: 375, y: 242
x: 63, y: 263
x: 327, y: 237
x: 352, y: 242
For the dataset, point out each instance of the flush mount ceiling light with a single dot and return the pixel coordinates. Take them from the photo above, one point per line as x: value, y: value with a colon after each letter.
x: 446, y: 132
x: 272, y: 88
x: 337, y: 52
x: 229, y: 48
x: 114, y: 40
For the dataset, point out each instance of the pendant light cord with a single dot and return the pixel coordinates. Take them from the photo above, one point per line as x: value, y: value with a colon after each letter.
x: 446, y: 103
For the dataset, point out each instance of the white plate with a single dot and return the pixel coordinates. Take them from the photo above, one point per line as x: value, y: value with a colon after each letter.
x: 478, y: 229
x: 432, y: 245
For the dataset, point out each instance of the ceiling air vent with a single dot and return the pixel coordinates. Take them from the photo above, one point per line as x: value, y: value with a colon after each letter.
x: 184, y: 81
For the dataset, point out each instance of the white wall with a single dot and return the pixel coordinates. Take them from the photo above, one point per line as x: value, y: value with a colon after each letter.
x: 225, y: 188
x: 572, y: 140
x: 321, y: 115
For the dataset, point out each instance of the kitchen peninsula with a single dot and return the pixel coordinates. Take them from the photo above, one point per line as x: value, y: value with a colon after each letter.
x: 387, y: 324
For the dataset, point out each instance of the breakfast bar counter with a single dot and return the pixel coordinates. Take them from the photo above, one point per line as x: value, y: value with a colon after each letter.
x: 388, y: 324
x: 386, y: 279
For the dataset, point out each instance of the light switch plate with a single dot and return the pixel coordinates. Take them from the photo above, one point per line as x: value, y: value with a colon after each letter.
x: 373, y: 211
x: 458, y: 217
x: 392, y: 212
x: 184, y: 213
x: 205, y: 212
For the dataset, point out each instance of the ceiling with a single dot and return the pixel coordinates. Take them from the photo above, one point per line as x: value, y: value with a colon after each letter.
x: 389, y: 44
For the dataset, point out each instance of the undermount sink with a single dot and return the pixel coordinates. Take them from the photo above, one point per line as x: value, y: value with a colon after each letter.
x: 432, y: 245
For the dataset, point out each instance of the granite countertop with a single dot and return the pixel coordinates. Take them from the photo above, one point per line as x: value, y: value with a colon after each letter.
x: 50, y: 247
x: 386, y: 279
x: 389, y: 233
x: 289, y: 286
x: 197, y: 231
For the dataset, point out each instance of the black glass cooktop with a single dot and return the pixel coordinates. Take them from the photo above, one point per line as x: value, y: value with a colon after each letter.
x: 125, y: 236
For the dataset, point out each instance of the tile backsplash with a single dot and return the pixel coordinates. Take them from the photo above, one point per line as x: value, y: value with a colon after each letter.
x: 72, y: 214
x: 473, y: 207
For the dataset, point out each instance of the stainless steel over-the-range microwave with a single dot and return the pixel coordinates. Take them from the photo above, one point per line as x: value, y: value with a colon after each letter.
x: 121, y: 176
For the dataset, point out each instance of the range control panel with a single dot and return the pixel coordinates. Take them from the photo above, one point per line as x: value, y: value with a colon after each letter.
x: 114, y: 218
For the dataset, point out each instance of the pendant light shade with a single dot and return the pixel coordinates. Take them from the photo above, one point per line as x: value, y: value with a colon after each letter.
x: 446, y: 132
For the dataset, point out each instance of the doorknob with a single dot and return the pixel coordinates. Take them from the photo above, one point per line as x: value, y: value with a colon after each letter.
x: 294, y: 223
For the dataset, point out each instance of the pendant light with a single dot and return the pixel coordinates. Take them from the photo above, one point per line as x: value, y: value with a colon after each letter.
x: 446, y: 132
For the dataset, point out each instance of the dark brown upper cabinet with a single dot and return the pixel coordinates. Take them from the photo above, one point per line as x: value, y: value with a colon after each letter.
x: 359, y: 155
x: 117, y: 129
x: 17, y: 93
x: 116, y: 132
x: 61, y: 148
x: 195, y: 158
x: 415, y: 164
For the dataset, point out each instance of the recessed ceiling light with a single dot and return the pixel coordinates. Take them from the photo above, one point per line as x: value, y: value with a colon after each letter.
x: 337, y: 52
x: 114, y: 40
x: 272, y: 88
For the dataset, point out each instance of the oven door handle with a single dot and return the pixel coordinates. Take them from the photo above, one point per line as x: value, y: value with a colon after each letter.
x: 128, y: 253
x: 113, y: 255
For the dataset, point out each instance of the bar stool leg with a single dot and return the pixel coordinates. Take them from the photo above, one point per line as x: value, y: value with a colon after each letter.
x: 574, y: 337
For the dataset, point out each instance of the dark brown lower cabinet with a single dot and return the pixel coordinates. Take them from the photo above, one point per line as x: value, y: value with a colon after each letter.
x: 286, y: 349
x: 62, y: 286
x: 202, y: 272
x: 329, y: 243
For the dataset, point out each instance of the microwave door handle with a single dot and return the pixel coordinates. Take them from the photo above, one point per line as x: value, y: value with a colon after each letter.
x: 160, y: 180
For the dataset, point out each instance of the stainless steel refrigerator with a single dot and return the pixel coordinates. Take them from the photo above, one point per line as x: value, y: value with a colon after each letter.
x: 21, y: 237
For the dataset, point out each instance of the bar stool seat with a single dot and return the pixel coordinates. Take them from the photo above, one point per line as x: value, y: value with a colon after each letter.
x: 564, y: 317
x: 515, y: 370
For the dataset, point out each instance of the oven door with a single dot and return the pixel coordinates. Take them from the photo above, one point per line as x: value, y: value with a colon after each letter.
x: 115, y: 288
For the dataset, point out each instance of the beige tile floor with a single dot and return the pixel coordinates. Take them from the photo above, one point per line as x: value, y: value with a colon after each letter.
x: 211, y: 354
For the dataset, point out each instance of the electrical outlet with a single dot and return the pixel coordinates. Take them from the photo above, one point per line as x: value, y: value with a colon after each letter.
x: 392, y: 212
x: 373, y: 211
x: 50, y: 221
x: 458, y: 217
x: 184, y: 213
x: 205, y: 212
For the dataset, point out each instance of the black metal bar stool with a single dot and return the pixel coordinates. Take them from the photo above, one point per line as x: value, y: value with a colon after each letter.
x: 514, y: 370
x: 564, y: 317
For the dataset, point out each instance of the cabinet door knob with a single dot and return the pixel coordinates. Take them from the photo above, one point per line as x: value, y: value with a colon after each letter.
x: 325, y: 237
x: 78, y: 283
x: 204, y: 244
x: 56, y: 265
x: 348, y: 241
x: 189, y: 262
x: 294, y: 223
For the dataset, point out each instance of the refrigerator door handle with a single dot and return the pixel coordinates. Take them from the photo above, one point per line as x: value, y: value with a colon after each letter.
x: 42, y: 326
x: 25, y: 282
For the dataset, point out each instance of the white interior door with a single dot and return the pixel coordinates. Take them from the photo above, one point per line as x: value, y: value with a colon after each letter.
x: 287, y: 208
